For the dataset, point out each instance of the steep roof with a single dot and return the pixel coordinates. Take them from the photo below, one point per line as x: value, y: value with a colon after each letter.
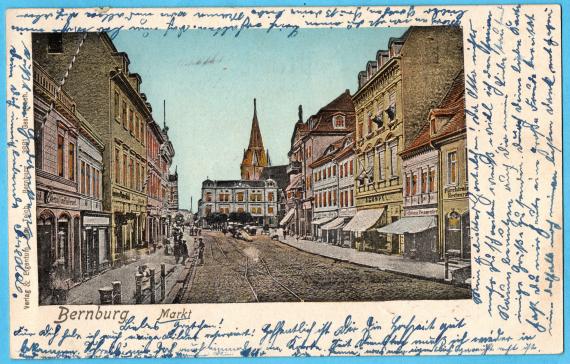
x: 255, y: 154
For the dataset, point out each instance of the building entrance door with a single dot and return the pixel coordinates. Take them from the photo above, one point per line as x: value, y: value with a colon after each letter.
x: 45, y: 260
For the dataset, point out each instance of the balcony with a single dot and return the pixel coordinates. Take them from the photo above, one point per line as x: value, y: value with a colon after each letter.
x: 48, y: 87
x: 294, y: 167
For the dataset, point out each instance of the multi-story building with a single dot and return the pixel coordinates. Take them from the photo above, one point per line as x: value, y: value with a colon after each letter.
x: 255, y: 157
x: 436, y: 211
x: 109, y: 95
x: 394, y: 96
x: 95, y: 223
x: 333, y: 190
x: 293, y: 193
x: 56, y: 127
x: 344, y: 160
x: 156, y: 184
x: 309, y: 141
x: 258, y: 198
x: 449, y: 134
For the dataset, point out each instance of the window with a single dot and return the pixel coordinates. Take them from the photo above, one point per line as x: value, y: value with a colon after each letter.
x: 82, y: 182
x: 125, y: 176
x: 369, y: 130
x: 360, y: 130
x: 391, y: 110
x: 351, y: 170
x: 138, y: 176
x: 351, y: 198
x: 432, y: 179
x: 137, y: 127
x: 329, y: 198
x: 338, y: 122
x: 270, y: 210
x: 124, y: 114
x: 239, y: 196
x: 88, y: 180
x: 408, y: 185
x: 334, y: 171
x: 60, y: 147
x: 414, y: 184
x: 394, y: 160
x: 71, y: 161
x: 97, y: 178
x: 424, y: 181
x: 452, y: 168
x: 270, y: 197
x: 131, y: 121
x: 131, y: 173
x: 117, y: 166
x: 370, y: 166
x: 381, y: 164
x: 142, y: 133
x: 334, y: 198
x: 116, y: 106
x: 55, y: 43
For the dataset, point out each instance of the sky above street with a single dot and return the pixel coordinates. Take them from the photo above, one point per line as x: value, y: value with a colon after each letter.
x: 209, y: 83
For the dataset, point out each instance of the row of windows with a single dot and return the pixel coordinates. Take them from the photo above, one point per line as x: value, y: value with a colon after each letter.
x: 62, y: 149
x: 90, y: 180
x: 129, y: 171
x: 131, y: 120
x: 344, y: 170
x: 426, y: 182
x: 381, y: 112
x: 155, y: 187
x: 253, y: 210
x: 240, y: 197
x: 367, y: 163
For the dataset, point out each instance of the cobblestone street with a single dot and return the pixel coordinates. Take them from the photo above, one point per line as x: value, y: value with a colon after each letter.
x: 265, y: 270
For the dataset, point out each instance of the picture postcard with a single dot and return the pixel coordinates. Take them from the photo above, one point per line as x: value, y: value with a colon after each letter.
x: 284, y: 181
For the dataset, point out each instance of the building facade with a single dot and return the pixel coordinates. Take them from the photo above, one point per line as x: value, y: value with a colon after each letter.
x: 331, y: 123
x: 258, y: 198
x: 57, y: 198
x: 95, y: 223
x: 391, y: 104
x: 109, y: 95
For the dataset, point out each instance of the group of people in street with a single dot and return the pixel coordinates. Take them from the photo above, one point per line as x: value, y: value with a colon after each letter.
x: 180, y: 247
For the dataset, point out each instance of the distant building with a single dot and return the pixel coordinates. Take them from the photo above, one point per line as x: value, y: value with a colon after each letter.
x: 174, y: 203
x: 255, y: 157
x: 279, y: 175
x: 259, y: 198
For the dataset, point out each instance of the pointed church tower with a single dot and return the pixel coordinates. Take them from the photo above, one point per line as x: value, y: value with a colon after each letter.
x: 255, y: 156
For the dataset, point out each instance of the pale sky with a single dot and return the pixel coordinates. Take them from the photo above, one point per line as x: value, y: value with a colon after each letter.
x: 209, y: 83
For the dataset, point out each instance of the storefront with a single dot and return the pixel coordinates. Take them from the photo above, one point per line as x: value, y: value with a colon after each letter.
x: 418, y: 235
x: 333, y: 233
x: 96, y: 244
x: 361, y: 226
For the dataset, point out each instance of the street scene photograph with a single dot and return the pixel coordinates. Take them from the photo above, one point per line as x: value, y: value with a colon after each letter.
x: 328, y: 166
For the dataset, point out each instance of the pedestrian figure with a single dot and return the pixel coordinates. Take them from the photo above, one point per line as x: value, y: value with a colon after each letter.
x: 177, y: 252
x: 57, y: 281
x: 284, y: 233
x: 201, y: 247
x: 184, y: 251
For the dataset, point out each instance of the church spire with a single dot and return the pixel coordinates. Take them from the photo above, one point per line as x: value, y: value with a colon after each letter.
x: 254, y: 157
x: 255, y: 140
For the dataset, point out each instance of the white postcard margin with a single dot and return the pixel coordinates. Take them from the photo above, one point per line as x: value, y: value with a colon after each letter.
x: 514, y: 118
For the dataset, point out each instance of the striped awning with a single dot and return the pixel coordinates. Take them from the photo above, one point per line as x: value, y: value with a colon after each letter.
x: 288, y: 216
x: 322, y: 220
x: 335, y: 224
x: 409, y: 225
x: 364, y: 220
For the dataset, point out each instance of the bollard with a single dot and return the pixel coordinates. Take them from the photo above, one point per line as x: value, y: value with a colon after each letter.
x: 162, y: 281
x: 152, y: 286
x: 446, y: 266
x: 117, y: 292
x: 106, y: 295
x: 138, y: 288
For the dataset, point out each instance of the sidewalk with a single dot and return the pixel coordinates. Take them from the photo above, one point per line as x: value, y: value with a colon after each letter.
x: 388, y: 263
x: 88, y: 292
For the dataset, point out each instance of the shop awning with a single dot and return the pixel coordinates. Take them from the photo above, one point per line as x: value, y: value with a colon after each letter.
x: 410, y: 225
x: 364, y: 220
x: 335, y: 224
x: 288, y: 216
x: 322, y: 220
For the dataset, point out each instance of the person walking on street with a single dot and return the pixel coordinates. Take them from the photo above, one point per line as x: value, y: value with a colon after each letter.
x: 176, y: 251
x: 184, y: 250
x: 201, y: 247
